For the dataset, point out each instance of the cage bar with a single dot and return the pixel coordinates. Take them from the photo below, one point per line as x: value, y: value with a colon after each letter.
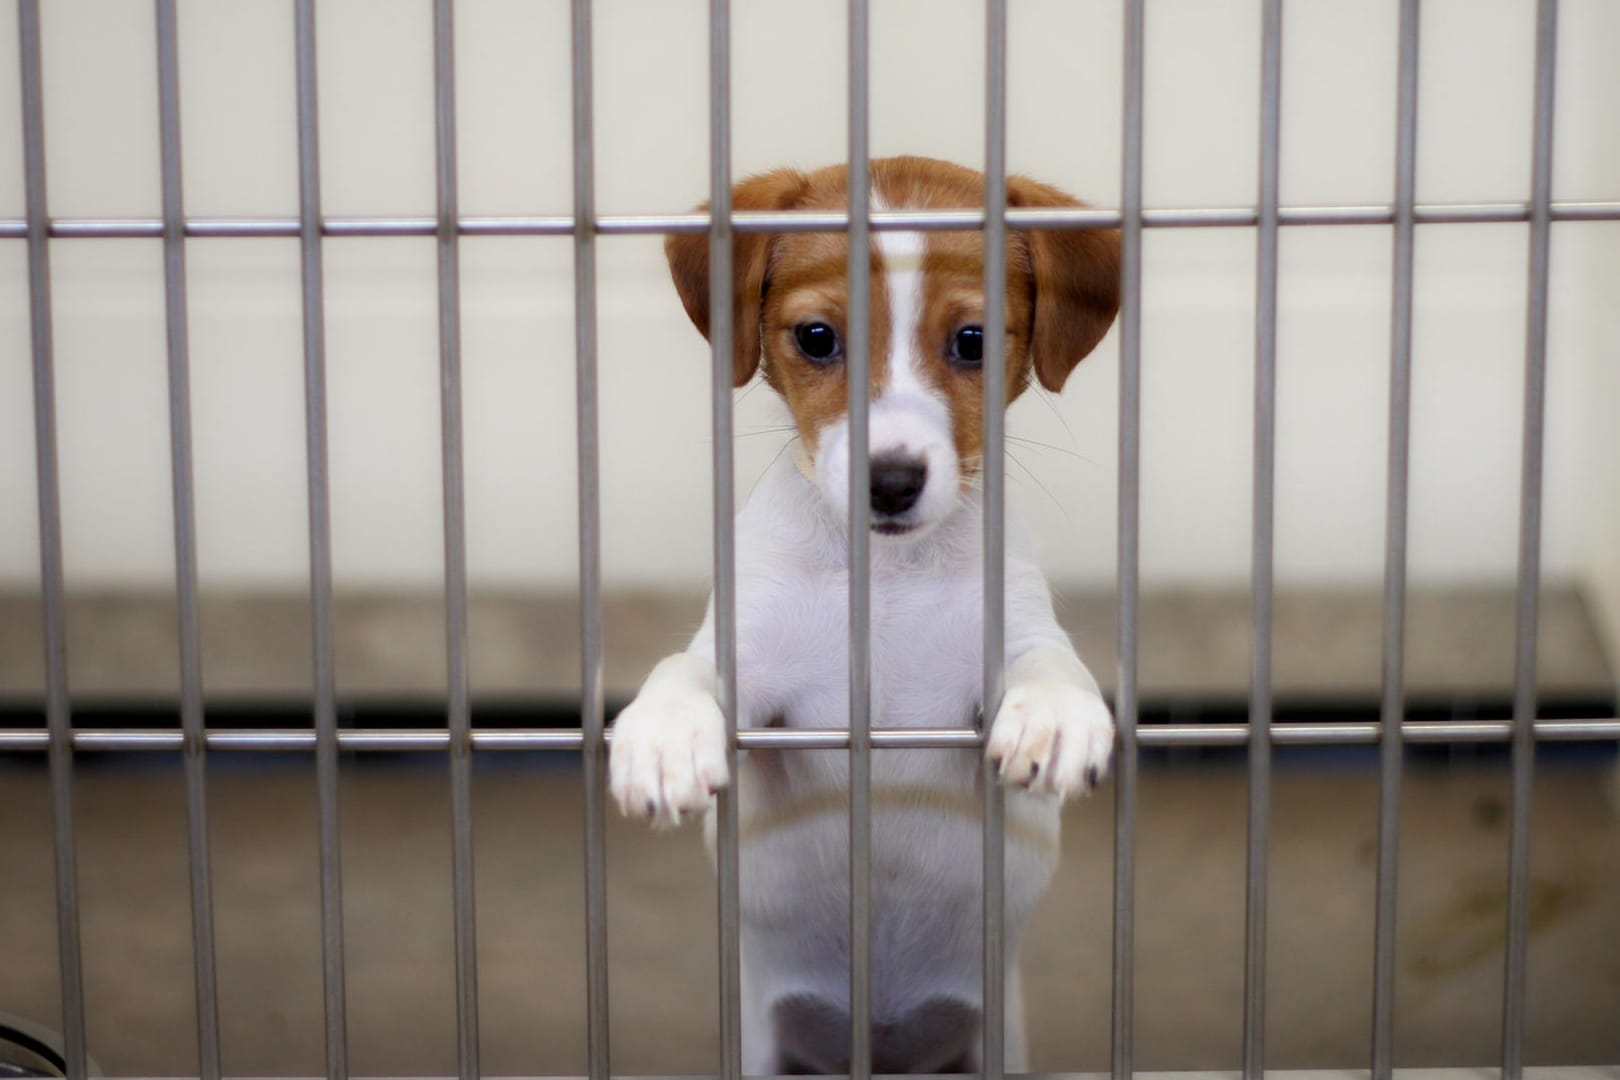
x: 1529, y: 574
x: 1431, y: 732
x: 721, y: 316
x: 592, y: 707
x: 185, y: 543
x: 59, y: 737
x: 858, y: 369
x: 455, y: 540
x: 1265, y: 436
x: 312, y: 279
x: 1129, y: 540
x: 781, y: 221
x: 1543, y: 1073
x: 995, y: 506
x: 1393, y: 705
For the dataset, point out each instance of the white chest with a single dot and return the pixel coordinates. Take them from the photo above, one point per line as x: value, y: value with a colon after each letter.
x: 926, y: 641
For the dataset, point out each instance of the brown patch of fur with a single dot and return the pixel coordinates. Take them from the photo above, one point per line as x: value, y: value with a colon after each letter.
x: 808, y: 283
x: 953, y: 297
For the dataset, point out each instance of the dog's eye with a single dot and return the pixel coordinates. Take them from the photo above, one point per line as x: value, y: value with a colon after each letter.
x: 967, y: 346
x: 818, y: 341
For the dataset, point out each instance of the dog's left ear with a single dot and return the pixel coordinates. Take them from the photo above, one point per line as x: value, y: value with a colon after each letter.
x: 1076, y: 274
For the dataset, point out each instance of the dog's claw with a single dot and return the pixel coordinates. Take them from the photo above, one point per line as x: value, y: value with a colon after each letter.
x: 1048, y: 738
x: 668, y: 756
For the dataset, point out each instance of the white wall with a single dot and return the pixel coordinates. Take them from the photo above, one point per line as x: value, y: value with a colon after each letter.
x: 376, y: 68
x: 1598, y: 276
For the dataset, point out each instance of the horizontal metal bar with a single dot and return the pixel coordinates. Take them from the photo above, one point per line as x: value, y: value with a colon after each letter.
x: 1544, y: 1072
x: 1416, y: 731
x: 569, y: 739
x: 818, y: 221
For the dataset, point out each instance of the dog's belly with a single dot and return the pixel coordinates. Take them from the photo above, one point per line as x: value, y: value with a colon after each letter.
x: 927, y: 893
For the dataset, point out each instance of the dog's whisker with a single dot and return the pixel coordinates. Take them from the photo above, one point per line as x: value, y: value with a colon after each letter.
x: 772, y: 463
x: 1053, y: 447
x: 1050, y: 400
x: 755, y: 432
x: 1037, y: 482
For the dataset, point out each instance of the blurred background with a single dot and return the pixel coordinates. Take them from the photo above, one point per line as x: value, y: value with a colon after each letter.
x: 377, y: 143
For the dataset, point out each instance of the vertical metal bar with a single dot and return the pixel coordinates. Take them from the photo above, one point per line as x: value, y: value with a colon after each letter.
x: 1394, y: 688
x: 1130, y: 507
x: 1529, y: 584
x: 455, y: 540
x: 594, y: 746
x: 185, y: 539
x: 1265, y: 430
x: 860, y: 538
x: 312, y: 278
x: 995, y: 505
x: 721, y: 315
x: 57, y: 706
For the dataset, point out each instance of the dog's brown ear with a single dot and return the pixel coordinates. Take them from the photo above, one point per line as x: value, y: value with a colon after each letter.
x: 688, y: 255
x: 1076, y: 284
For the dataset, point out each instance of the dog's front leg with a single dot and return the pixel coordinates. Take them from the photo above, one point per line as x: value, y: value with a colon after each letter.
x: 1053, y: 733
x: 669, y: 744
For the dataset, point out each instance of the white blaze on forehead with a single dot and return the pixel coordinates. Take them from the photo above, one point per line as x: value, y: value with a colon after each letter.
x: 902, y: 254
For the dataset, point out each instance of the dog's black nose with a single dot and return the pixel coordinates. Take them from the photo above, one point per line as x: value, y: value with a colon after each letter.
x: 896, y: 484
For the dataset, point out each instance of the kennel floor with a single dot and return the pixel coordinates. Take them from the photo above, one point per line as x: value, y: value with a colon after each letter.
x: 137, y: 937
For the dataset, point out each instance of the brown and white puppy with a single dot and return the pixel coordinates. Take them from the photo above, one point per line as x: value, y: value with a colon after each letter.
x: 1052, y: 736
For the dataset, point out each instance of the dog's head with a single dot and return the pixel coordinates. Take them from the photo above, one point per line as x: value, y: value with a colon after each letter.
x: 790, y: 296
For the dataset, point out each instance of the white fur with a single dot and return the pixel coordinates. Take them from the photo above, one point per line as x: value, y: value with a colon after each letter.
x: 1052, y: 736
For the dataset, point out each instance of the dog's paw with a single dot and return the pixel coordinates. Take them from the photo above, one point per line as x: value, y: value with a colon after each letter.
x: 668, y: 756
x: 1054, y: 738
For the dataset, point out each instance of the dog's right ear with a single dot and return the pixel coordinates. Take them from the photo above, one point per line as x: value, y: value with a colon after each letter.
x: 688, y: 255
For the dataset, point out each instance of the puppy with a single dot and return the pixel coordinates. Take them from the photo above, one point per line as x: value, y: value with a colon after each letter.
x: 1052, y: 737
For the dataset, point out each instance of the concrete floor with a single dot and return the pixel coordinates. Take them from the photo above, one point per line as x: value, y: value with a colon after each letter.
x: 136, y: 923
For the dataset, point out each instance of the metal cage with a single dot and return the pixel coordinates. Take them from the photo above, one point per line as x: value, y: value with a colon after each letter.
x: 62, y: 741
